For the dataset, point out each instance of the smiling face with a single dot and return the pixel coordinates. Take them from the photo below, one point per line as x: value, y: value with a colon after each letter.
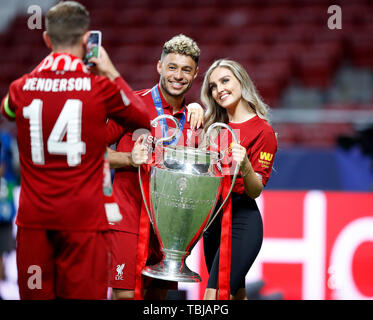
x: 177, y: 72
x: 225, y: 88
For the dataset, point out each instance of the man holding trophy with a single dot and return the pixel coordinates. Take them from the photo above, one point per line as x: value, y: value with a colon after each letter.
x: 178, y: 67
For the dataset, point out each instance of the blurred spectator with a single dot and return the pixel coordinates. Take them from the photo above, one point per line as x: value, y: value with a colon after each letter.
x: 9, y: 169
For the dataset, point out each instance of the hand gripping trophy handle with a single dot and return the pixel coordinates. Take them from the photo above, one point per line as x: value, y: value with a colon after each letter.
x: 154, y: 123
x: 213, y: 144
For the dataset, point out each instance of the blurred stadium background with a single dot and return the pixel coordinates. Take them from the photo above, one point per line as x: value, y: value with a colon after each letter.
x: 318, y: 82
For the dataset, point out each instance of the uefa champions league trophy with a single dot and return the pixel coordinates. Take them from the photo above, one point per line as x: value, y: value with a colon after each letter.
x: 184, y: 190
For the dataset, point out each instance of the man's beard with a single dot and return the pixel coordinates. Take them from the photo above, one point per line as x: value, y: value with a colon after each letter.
x: 164, y: 87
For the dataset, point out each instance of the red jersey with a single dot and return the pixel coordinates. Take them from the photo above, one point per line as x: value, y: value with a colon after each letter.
x: 126, y: 188
x: 61, y: 110
x: 259, y: 139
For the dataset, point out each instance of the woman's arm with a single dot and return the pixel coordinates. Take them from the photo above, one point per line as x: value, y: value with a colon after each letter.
x: 252, y: 181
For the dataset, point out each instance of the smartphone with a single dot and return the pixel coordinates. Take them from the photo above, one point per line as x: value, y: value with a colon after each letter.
x: 93, y: 47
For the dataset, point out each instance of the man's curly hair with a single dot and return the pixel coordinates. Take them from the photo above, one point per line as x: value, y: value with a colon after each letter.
x: 183, y: 45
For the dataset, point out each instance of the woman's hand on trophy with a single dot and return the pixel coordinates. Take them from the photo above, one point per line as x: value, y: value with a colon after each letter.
x: 239, y: 155
x: 195, y: 115
x: 139, y: 153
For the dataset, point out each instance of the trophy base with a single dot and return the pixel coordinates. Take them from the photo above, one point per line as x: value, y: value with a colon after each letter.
x: 171, y: 271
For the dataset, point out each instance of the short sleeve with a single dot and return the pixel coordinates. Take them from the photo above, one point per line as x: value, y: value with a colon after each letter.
x: 263, y: 153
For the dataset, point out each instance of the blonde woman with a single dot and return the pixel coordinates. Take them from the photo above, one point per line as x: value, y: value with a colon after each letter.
x: 230, y: 97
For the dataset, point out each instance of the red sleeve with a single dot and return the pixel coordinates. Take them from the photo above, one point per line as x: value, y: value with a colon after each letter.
x: 8, y: 108
x: 114, y: 132
x: 263, y: 154
x: 123, y: 105
x: 136, y: 115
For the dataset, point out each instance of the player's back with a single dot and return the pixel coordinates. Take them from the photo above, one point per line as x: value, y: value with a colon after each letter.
x: 61, y: 114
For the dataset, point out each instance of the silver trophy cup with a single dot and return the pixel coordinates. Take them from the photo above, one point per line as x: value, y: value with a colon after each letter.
x: 184, y: 190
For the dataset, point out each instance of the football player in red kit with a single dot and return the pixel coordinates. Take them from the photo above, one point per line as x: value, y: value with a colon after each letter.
x: 60, y: 109
x: 178, y: 67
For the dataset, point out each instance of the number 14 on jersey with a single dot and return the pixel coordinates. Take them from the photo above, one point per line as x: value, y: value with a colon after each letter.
x: 69, y: 123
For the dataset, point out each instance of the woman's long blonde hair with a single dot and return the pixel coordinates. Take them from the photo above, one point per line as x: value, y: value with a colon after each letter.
x: 216, y: 113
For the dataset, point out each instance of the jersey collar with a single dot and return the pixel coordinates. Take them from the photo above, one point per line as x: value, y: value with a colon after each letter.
x: 167, y: 106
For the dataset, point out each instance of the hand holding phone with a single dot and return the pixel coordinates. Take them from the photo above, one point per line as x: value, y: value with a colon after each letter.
x: 103, y: 66
x: 93, y: 47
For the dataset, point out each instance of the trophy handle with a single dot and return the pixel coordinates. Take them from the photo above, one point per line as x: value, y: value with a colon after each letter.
x: 214, y: 145
x: 154, y: 123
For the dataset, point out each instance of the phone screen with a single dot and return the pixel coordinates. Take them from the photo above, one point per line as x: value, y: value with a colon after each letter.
x: 93, y: 46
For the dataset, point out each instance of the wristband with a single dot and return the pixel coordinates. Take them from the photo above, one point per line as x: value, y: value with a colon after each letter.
x: 7, y: 109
